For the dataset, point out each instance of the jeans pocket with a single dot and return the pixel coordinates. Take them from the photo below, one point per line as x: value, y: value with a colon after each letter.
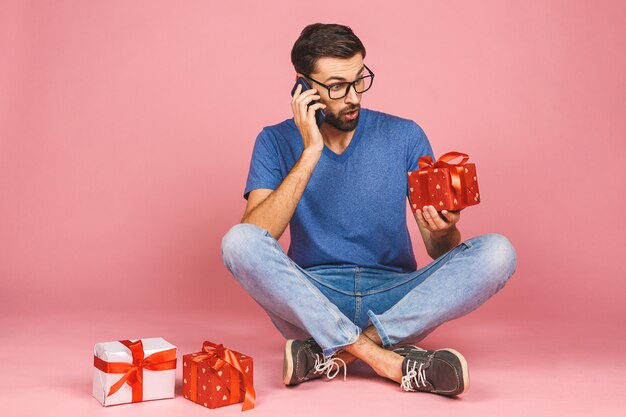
x: 467, y: 244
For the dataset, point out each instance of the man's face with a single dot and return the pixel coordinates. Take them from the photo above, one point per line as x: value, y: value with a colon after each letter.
x: 342, y: 114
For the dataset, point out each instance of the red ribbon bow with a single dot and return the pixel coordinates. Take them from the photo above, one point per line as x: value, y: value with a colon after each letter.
x: 218, y: 356
x: 133, y: 372
x: 457, y: 177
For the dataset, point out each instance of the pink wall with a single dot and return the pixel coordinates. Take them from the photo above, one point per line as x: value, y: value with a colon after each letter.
x: 126, y: 130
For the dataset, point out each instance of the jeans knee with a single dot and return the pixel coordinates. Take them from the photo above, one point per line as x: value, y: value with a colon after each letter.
x: 499, y: 256
x: 239, y: 242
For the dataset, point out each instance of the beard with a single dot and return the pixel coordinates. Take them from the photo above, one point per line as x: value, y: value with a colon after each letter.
x: 343, y: 125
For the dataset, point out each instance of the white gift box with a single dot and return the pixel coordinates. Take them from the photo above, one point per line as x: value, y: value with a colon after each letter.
x: 151, y: 385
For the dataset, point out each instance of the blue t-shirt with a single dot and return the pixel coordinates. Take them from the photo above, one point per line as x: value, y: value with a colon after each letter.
x: 353, y: 210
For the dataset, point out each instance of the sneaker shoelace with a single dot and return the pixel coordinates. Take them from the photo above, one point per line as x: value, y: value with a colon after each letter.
x: 326, y: 364
x: 418, y: 376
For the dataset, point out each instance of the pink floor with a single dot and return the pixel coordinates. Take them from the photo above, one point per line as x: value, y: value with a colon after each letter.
x: 518, y: 367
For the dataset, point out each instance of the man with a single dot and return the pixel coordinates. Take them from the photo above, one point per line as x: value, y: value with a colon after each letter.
x: 349, y: 287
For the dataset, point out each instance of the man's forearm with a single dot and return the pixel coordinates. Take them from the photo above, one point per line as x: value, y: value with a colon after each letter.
x: 275, y: 212
x: 442, y: 243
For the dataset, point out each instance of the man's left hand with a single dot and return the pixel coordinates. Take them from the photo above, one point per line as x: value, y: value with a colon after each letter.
x: 430, y: 219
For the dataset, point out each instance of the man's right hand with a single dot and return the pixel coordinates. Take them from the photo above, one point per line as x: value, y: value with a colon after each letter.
x: 273, y: 209
x: 304, y: 117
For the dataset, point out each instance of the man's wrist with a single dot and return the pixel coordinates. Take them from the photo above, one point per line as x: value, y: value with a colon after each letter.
x: 441, y: 242
x: 312, y: 155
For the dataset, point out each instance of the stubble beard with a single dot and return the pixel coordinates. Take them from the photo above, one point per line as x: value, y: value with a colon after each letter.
x: 341, y: 124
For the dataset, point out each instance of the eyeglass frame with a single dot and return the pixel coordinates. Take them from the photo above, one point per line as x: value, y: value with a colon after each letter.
x: 350, y: 84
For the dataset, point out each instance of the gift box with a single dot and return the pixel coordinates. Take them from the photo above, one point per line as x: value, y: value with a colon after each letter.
x: 443, y: 185
x: 132, y: 371
x: 218, y: 376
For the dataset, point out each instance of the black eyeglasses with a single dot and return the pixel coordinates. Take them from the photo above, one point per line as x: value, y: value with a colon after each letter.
x: 340, y: 90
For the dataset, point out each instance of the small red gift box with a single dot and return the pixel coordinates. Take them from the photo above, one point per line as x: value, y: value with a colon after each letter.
x: 443, y: 185
x: 218, y: 376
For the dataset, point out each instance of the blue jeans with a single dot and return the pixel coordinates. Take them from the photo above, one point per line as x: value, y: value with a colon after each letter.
x: 334, y: 304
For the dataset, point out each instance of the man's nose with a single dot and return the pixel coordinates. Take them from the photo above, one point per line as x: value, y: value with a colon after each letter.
x: 352, y: 96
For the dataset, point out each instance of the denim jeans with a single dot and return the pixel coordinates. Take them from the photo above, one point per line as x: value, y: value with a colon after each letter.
x: 334, y: 304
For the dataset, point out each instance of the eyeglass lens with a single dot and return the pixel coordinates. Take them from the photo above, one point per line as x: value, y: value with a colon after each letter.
x: 361, y: 85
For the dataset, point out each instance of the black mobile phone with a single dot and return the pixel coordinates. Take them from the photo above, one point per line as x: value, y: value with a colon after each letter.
x: 320, y: 116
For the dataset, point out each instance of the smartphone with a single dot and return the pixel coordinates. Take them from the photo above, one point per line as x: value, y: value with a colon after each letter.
x: 320, y: 116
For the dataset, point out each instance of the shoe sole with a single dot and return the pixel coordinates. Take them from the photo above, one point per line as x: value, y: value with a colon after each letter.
x: 288, y: 363
x: 461, y: 358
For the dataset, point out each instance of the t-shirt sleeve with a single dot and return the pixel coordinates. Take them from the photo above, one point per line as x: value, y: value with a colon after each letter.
x: 264, y: 169
x: 418, y: 145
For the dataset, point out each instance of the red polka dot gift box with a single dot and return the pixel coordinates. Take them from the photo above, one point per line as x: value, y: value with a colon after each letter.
x: 130, y: 371
x: 218, y: 376
x: 443, y: 185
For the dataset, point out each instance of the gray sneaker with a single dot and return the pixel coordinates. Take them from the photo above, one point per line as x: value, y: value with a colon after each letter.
x: 405, y: 350
x: 442, y: 371
x: 304, y: 360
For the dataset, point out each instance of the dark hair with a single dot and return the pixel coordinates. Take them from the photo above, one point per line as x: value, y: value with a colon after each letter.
x: 320, y: 40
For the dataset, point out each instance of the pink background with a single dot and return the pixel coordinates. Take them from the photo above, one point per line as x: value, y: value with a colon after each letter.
x: 126, y: 130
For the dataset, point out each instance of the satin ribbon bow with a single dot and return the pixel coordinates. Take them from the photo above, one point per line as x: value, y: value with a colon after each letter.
x: 133, y: 372
x: 218, y: 356
x: 457, y: 174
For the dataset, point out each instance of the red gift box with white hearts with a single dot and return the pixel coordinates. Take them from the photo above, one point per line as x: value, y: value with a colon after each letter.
x: 443, y: 185
x: 218, y: 376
